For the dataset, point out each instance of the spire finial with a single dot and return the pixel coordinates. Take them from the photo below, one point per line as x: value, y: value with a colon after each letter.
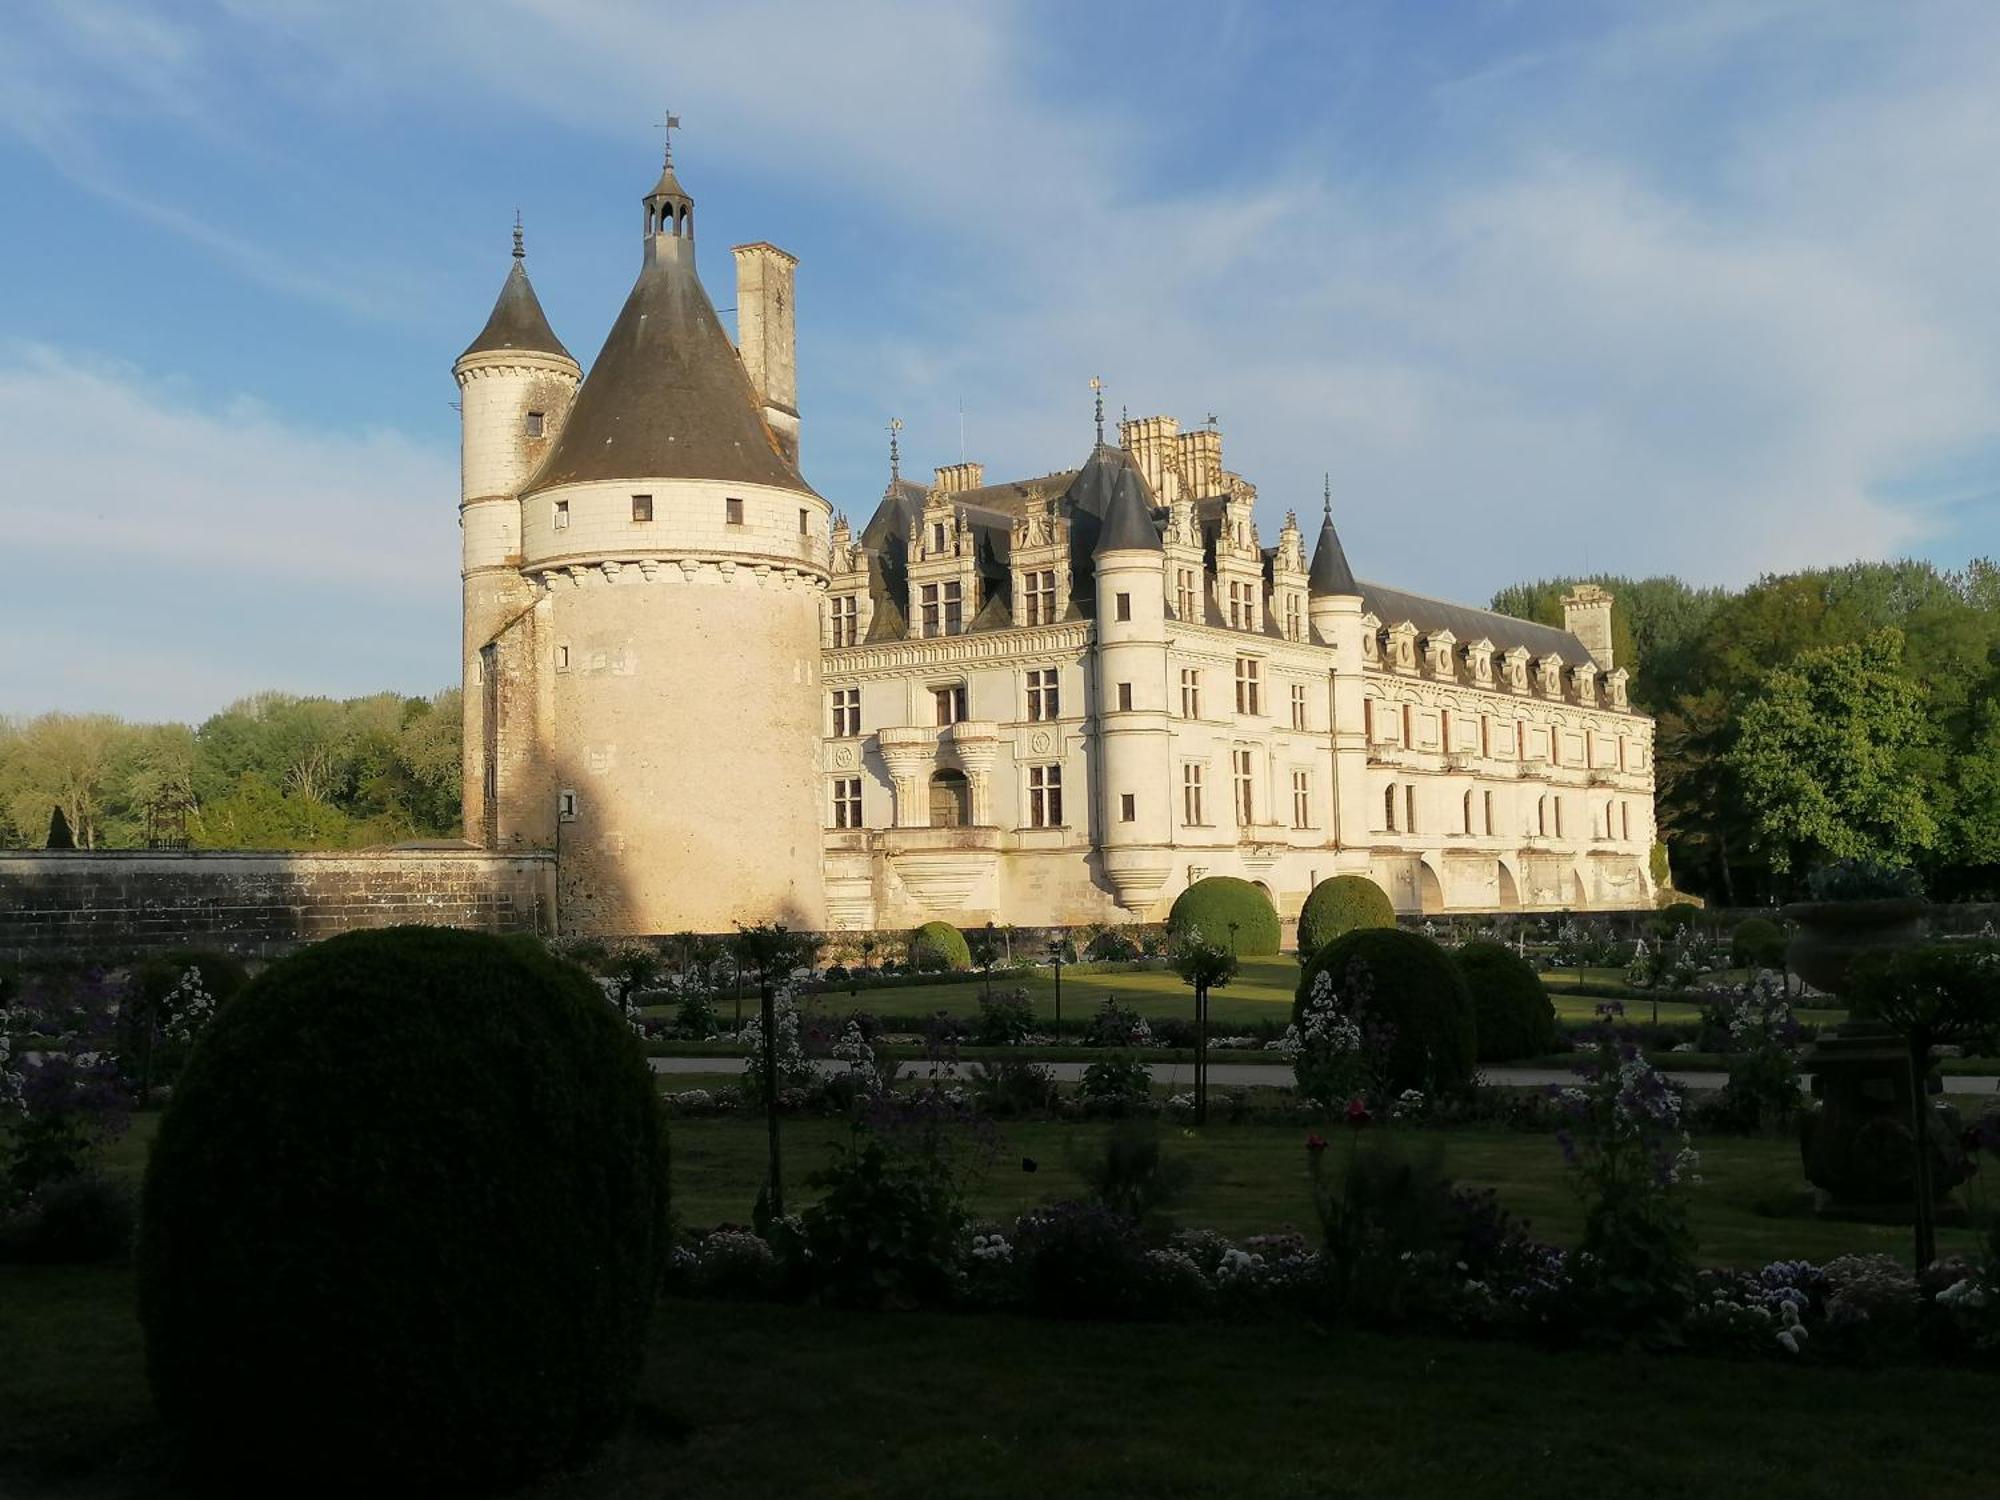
x: 1097, y: 389
x: 519, y: 252
x: 895, y: 452
x: 1326, y: 492
x: 673, y: 123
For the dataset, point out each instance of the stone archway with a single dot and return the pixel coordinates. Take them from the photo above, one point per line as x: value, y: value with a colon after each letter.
x: 1430, y: 888
x: 1576, y: 891
x: 1510, y: 889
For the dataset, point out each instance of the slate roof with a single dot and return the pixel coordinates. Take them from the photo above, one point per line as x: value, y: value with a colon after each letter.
x: 1393, y: 606
x: 667, y: 397
x: 517, y: 321
x: 1330, y: 573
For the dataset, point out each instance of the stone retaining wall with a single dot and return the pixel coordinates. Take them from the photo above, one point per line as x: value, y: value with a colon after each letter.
x: 255, y: 903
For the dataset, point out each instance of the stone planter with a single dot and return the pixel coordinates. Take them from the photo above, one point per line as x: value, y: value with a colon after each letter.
x: 1831, y: 934
x: 1856, y: 1144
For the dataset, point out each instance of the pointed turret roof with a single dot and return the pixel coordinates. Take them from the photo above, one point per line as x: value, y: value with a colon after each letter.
x: 1127, y: 524
x: 667, y: 397
x: 518, y: 322
x: 1330, y: 573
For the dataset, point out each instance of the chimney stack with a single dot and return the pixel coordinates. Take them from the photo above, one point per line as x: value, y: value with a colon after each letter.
x: 1587, y: 616
x: 767, y: 337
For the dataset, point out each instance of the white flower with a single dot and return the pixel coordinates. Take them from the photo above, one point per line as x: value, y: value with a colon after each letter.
x: 1789, y: 1339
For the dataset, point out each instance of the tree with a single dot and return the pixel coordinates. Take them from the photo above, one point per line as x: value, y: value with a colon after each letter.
x: 1203, y: 964
x: 59, y: 834
x: 1822, y: 757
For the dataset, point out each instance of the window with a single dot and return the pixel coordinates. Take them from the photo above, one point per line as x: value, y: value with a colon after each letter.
x: 1242, y: 605
x: 942, y: 610
x: 1190, y: 693
x: 805, y: 522
x: 1184, y: 593
x: 1248, y: 697
x: 847, y: 802
x: 1410, y: 808
x: 1128, y: 808
x: 1301, y: 799
x: 1486, y: 738
x: 561, y: 518
x: 1295, y: 629
x: 1044, y: 701
x: 1542, y: 816
x: 1245, y: 804
x: 1045, y: 797
x: 937, y: 537
x: 1409, y: 726
x: 950, y: 703
x: 1559, y: 815
x: 732, y: 511
x: 1125, y: 697
x: 1298, y: 705
x: 562, y: 658
x: 566, y: 806
x: 1389, y: 808
x: 1191, y: 809
x: 1468, y: 813
x: 642, y: 507
x: 534, y: 424
x: 1487, y: 822
x: 1124, y: 607
x: 846, y: 620
x: 846, y: 712
x: 1625, y: 821
x: 1039, y: 602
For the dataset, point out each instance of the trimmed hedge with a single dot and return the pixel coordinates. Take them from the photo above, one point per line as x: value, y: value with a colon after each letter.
x: 1341, y: 904
x: 1678, y: 916
x: 1211, y: 905
x: 939, y: 945
x: 1513, y: 1016
x: 1757, y: 943
x: 404, y: 1220
x: 1406, y: 981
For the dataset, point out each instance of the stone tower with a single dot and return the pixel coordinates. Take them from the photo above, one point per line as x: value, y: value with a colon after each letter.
x: 676, y: 560
x: 515, y: 384
x: 1131, y: 680
x: 1333, y: 606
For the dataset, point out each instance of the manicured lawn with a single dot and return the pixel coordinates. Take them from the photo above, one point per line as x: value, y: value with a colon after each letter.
x: 742, y: 1401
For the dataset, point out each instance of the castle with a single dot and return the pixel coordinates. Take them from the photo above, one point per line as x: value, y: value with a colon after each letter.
x: 1046, y: 701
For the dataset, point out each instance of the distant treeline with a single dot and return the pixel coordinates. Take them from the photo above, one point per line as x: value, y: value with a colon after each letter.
x: 1841, y: 712
x: 270, y: 772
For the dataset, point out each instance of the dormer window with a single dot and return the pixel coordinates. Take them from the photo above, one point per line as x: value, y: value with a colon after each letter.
x: 937, y: 536
x: 533, y: 424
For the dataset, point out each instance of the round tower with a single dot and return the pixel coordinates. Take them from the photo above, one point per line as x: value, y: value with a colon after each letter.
x: 515, y: 383
x: 1134, y: 733
x: 680, y: 559
x: 1334, y: 608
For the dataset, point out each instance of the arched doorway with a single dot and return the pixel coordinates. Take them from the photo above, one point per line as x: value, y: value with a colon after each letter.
x: 951, y: 799
x: 1510, y: 891
x: 1578, y: 892
x: 1430, y: 890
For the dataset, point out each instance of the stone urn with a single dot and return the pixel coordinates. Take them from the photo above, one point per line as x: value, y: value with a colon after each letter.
x: 1831, y: 934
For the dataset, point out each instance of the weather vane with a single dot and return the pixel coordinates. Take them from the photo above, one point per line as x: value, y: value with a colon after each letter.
x: 1212, y: 420
x: 1097, y: 386
x: 895, y: 453
x: 672, y: 124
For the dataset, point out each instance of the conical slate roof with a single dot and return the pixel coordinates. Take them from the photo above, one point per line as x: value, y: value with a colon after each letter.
x: 667, y: 397
x: 1128, y: 513
x: 518, y: 321
x: 1330, y: 573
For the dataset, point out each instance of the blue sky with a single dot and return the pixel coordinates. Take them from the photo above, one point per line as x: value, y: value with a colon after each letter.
x: 1703, y: 288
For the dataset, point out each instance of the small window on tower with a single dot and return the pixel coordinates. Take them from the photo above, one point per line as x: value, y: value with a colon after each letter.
x: 1124, y: 610
x: 1125, y: 696
x: 733, y: 509
x: 1128, y: 808
x: 562, y: 515
x: 642, y: 507
x: 562, y: 658
x: 566, y: 806
x: 534, y: 424
x: 805, y: 522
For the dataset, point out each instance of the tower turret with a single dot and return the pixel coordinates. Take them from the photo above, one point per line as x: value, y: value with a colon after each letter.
x: 516, y: 382
x: 1134, y: 734
x: 1334, y: 606
x: 680, y: 561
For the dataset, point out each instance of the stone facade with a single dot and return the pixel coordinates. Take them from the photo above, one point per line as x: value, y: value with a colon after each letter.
x: 1041, y: 702
x: 258, y: 904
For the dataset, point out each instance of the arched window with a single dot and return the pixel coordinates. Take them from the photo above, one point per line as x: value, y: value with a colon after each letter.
x: 951, y: 799
x: 1389, y: 807
x: 1542, y: 815
x: 1468, y: 812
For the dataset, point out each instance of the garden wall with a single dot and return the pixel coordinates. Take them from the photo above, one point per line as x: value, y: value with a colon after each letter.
x: 60, y: 902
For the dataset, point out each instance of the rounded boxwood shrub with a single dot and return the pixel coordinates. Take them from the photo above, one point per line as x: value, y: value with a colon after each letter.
x: 1512, y: 1014
x: 1339, y: 905
x: 1757, y: 943
x: 939, y: 945
x: 1406, y: 981
x: 1210, y: 906
x: 404, y: 1220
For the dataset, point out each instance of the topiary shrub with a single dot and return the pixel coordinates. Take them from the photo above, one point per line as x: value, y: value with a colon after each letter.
x: 1513, y: 1016
x: 404, y: 1220
x: 1677, y: 916
x: 1757, y: 943
x: 939, y: 945
x: 1210, y: 906
x: 1405, y: 981
x: 1340, y: 905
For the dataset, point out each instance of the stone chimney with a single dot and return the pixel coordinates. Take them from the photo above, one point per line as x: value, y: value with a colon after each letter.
x: 956, y: 479
x: 1587, y: 616
x: 767, y: 337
